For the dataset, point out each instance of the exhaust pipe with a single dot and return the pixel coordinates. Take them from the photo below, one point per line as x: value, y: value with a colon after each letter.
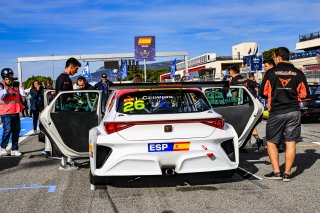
x: 169, y: 172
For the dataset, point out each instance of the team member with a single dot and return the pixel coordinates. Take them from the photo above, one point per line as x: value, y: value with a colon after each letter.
x: 137, y: 78
x: 236, y: 78
x: 64, y: 83
x: 10, y: 107
x: 284, y: 86
x: 83, y: 84
x: 104, y: 86
x: 268, y: 63
x: 252, y: 86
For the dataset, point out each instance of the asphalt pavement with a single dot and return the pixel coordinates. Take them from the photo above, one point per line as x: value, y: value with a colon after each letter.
x: 33, y: 183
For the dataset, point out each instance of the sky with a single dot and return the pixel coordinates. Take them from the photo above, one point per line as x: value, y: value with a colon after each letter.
x: 74, y: 27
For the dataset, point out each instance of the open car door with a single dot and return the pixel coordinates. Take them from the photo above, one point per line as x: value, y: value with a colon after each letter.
x: 67, y: 119
x: 238, y: 107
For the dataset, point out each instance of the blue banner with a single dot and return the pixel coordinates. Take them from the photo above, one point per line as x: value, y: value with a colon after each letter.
x: 86, y: 72
x: 124, y: 70
x: 173, y: 68
x: 256, y: 63
x: 145, y: 48
x: 306, y: 54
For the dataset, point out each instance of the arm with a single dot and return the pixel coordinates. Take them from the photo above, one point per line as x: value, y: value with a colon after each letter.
x: 265, y: 87
x: 303, y: 88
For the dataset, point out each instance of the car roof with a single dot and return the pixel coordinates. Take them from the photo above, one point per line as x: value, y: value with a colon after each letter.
x: 121, y: 92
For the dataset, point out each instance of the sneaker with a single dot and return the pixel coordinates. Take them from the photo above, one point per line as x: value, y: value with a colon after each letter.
x: 259, y: 142
x: 286, y: 177
x: 273, y: 176
x: 15, y: 153
x: 3, y: 152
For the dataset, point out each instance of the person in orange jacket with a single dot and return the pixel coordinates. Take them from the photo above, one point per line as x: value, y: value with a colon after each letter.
x: 10, y: 107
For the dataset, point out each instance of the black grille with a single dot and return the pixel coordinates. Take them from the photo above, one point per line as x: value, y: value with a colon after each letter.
x: 103, y: 153
x: 228, y: 147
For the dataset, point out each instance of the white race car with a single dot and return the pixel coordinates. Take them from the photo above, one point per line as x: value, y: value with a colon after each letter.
x: 160, y: 129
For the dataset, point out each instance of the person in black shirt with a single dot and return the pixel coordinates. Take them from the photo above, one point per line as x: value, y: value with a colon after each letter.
x: 284, y: 86
x: 236, y: 78
x: 252, y: 85
x: 64, y: 83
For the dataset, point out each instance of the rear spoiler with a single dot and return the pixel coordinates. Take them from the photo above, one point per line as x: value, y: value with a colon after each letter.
x: 222, y: 84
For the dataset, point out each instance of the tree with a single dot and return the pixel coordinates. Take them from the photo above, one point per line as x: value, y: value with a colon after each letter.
x: 268, y: 53
x: 29, y: 81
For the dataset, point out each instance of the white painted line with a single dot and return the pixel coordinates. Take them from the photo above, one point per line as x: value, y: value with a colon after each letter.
x: 25, y: 136
x: 316, y: 143
x: 250, y: 173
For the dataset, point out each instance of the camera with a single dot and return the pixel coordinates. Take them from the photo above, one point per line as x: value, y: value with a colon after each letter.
x: 13, y: 82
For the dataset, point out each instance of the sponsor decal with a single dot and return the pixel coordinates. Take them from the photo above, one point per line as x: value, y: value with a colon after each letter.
x: 284, y: 82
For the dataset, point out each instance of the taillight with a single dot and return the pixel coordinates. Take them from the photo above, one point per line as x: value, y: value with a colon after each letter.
x: 112, y: 127
x: 215, y: 122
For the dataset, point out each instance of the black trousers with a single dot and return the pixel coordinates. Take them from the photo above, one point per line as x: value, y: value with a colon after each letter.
x: 35, y: 118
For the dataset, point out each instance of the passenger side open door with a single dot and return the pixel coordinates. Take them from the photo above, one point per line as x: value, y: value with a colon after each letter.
x: 238, y: 107
x: 67, y: 120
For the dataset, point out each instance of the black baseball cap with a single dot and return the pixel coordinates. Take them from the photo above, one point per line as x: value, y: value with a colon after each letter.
x: 104, y: 75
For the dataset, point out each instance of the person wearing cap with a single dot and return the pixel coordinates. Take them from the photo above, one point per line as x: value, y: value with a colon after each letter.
x: 104, y: 86
x: 10, y: 107
x: 64, y: 83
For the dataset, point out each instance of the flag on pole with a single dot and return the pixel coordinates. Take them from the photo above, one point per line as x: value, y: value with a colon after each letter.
x: 124, y: 70
x: 225, y: 77
x: 86, y: 72
x: 173, y: 68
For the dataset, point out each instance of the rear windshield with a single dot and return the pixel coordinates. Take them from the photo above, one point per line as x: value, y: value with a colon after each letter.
x: 163, y: 102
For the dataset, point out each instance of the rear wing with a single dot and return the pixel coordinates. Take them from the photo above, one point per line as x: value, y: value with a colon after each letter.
x: 222, y: 84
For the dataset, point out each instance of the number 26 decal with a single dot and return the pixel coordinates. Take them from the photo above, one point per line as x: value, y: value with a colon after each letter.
x: 136, y: 105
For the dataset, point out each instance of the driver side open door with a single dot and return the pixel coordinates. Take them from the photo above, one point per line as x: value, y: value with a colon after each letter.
x: 67, y: 120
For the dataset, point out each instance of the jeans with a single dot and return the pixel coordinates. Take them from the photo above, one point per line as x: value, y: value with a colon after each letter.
x: 11, y: 125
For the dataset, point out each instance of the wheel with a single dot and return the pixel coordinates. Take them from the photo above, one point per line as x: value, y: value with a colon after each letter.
x: 98, y: 180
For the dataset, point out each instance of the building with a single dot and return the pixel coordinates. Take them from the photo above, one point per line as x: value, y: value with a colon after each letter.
x: 306, y: 60
x: 209, y: 66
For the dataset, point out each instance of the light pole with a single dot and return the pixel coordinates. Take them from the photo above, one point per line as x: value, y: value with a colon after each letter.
x: 52, y: 69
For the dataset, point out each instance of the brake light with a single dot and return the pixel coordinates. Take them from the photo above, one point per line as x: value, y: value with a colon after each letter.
x: 215, y: 122
x: 112, y: 127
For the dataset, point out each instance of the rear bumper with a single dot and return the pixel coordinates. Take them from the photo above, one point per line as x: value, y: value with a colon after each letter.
x: 131, y: 158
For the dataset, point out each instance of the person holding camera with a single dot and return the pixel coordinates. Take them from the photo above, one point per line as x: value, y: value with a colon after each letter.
x: 10, y: 107
x: 36, y: 102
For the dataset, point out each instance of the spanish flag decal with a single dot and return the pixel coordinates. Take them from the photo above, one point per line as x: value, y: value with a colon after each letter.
x: 181, y: 146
